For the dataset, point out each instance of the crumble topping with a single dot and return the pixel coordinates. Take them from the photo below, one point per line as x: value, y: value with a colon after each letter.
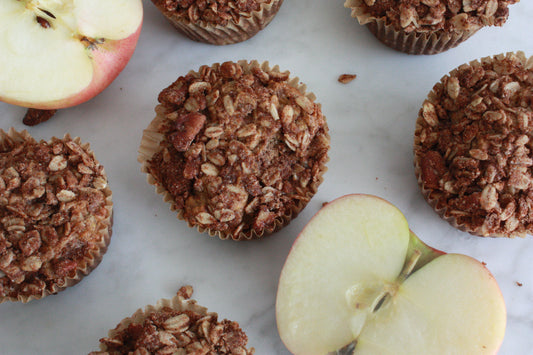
x: 217, y: 12
x: 242, y: 150
x: 52, y: 207
x: 35, y: 116
x: 170, y: 331
x: 474, y: 148
x: 433, y: 15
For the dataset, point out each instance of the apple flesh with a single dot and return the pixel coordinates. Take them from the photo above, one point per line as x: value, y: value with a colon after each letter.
x: 357, y: 277
x: 60, y: 53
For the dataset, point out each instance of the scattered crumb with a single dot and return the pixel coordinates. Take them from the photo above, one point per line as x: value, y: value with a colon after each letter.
x: 484, y: 263
x: 376, y: 178
x: 519, y: 284
x: 35, y: 116
x: 346, y: 78
x: 324, y: 203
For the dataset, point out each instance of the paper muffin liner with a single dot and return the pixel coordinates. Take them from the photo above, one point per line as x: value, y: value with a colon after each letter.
x: 206, y: 32
x: 150, y: 144
x: 206, y: 323
x: 177, y: 303
x: 94, y: 258
x: 430, y: 195
x: 431, y: 42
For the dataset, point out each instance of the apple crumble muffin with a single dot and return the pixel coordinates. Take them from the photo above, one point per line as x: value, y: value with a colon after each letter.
x: 473, y: 146
x: 55, y: 215
x: 238, y: 149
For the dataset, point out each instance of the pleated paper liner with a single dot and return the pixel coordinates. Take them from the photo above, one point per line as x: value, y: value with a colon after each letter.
x: 183, y: 305
x: 150, y: 144
x: 431, y: 42
x: 233, y: 32
x: 432, y: 196
x: 13, y: 138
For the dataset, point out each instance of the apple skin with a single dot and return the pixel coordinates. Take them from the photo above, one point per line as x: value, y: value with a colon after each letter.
x: 417, y: 255
x: 390, y: 272
x: 109, y: 59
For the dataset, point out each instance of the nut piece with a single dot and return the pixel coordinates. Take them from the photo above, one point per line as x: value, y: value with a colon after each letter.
x: 187, y: 127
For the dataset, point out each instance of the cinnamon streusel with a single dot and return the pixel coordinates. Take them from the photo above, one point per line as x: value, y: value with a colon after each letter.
x: 238, y: 149
x: 473, y: 146
x: 177, y: 326
x: 55, y: 215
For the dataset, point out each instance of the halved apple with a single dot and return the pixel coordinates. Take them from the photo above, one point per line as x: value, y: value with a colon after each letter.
x: 356, y: 277
x: 60, y: 53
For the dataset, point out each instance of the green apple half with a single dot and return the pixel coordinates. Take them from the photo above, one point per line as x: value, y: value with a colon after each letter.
x: 60, y: 53
x: 357, y: 276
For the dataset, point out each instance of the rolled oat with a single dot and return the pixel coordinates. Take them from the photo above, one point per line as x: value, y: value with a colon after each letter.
x: 55, y: 221
x: 473, y: 150
x: 263, y: 133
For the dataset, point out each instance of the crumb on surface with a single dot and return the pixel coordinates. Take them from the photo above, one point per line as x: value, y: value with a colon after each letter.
x: 346, y: 78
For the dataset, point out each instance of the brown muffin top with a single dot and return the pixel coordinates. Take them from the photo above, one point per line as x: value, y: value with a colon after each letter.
x: 473, y: 146
x: 52, y: 208
x: 167, y: 330
x: 434, y: 15
x: 242, y: 151
x: 216, y: 12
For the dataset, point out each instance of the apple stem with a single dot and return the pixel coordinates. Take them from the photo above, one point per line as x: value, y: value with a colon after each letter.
x: 409, y: 265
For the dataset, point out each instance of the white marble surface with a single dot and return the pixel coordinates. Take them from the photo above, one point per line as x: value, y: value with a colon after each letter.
x: 371, y: 121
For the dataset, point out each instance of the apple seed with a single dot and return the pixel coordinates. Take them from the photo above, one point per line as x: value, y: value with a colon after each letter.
x: 91, y: 43
x: 43, y: 22
x: 48, y: 13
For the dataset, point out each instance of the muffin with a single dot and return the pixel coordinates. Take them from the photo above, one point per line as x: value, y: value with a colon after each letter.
x: 238, y: 149
x: 473, y: 146
x: 219, y: 22
x: 176, y: 326
x: 427, y: 26
x: 55, y: 215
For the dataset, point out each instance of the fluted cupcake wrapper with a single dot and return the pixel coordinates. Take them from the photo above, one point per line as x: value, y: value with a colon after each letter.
x: 431, y: 42
x: 231, y: 33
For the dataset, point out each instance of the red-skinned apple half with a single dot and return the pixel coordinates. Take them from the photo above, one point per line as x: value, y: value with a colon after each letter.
x: 60, y: 53
x: 358, y: 280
